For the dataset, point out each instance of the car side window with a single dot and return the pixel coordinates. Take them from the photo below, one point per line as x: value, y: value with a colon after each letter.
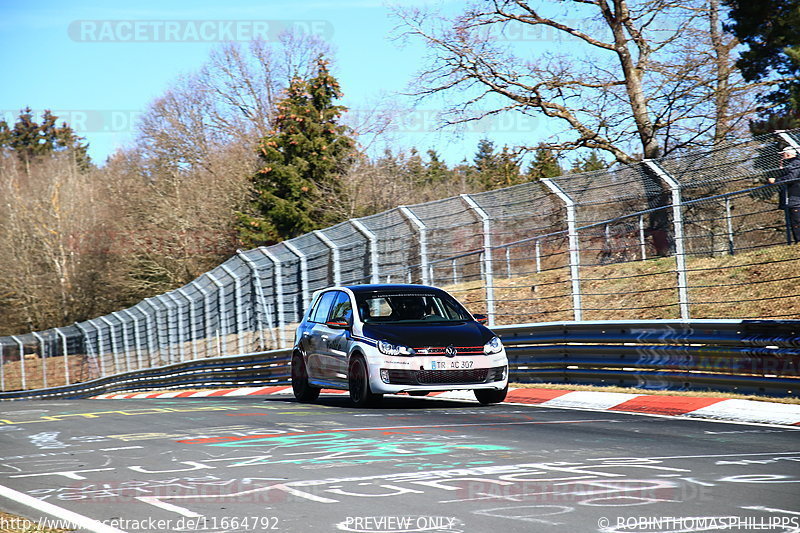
x: 323, y: 307
x: 342, y: 311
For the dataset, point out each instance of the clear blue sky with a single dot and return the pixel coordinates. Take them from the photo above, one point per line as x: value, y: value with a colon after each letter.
x: 102, y: 86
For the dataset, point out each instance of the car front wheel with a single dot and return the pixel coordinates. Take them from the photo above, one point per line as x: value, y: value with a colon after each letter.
x: 358, y: 383
x: 487, y: 396
x: 302, y: 390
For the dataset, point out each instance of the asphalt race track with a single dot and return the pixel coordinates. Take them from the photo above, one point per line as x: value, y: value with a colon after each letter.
x: 422, y: 465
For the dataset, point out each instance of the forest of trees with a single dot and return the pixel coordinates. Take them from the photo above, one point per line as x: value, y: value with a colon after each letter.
x: 255, y: 147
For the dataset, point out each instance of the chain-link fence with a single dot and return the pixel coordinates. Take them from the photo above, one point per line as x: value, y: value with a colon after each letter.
x: 688, y: 236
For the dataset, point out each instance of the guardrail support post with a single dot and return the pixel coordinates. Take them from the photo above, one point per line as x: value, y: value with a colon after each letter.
x: 278, y: 293
x: 422, y: 231
x: 223, y: 315
x: 374, y: 275
x: 337, y: 266
x: 237, y: 295
x: 574, y: 246
x: 488, y: 267
x: 43, y: 356
x: 642, y: 242
x: 137, y: 340
x: 64, y: 353
x: 677, y: 222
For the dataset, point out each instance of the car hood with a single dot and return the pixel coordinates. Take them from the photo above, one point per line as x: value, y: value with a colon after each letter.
x: 430, y: 334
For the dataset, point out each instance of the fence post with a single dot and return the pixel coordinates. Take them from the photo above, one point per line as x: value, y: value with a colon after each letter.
x: 21, y: 361
x: 125, y: 341
x: 100, y: 358
x: 3, y: 368
x: 43, y: 355
x: 192, y: 321
x: 64, y: 352
x: 179, y: 331
x: 423, y: 241
x: 337, y: 266
x: 574, y: 246
x: 488, y: 267
x: 87, y: 345
x: 729, y: 225
x: 237, y: 298
x: 277, y: 292
x: 223, y: 315
x: 113, y: 338
x: 677, y: 222
x: 206, y: 316
x: 538, y: 254
x: 373, y: 249
x: 642, y: 243
x: 157, y: 337
x: 153, y: 337
x: 261, y: 307
x: 137, y: 340
x: 303, y: 272
x: 168, y: 323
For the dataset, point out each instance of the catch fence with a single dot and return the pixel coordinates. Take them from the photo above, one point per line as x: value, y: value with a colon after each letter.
x: 688, y: 236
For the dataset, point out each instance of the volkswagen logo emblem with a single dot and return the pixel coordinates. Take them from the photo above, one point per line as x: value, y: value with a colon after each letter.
x: 450, y: 351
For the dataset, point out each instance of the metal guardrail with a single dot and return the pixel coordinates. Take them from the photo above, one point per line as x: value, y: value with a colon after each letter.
x: 759, y: 356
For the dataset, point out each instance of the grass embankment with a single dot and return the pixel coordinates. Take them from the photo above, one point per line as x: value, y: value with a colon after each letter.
x: 757, y: 284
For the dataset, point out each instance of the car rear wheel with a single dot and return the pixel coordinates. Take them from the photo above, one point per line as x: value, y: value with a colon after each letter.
x: 487, y: 396
x: 300, y: 386
x: 358, y: 383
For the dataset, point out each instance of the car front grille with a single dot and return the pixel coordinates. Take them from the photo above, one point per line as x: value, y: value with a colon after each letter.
x: 446, y: 377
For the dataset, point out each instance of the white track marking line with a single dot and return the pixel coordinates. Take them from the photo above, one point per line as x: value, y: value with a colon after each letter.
x: 76, y: 519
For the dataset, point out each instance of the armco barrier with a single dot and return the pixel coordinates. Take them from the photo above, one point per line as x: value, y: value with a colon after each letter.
x: 761, y: 357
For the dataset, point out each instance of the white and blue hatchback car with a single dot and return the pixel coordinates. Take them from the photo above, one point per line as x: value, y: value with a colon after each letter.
x: 382, y: 339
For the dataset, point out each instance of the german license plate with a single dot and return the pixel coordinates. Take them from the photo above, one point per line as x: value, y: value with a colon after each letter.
x: 452, y: 364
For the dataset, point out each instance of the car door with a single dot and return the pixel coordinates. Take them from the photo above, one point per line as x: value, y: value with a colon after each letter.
x: 316, y: 336
x: 337, y: 337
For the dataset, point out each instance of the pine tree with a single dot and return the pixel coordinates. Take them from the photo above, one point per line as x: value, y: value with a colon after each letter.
x: 298, y: 186
x: 436, y: 171
x: 544, y: 165
x: 589, y: 163
x: 29, y: 139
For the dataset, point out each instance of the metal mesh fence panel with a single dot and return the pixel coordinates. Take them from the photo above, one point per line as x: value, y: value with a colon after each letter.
x: 691, y: 235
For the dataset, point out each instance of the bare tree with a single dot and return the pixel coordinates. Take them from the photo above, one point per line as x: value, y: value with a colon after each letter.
x: 640, y: 79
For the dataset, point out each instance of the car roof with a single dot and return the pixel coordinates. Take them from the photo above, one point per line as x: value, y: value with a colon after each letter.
x: 392, y: 287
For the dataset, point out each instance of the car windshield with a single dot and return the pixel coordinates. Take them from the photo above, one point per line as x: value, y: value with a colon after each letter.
x: 409, y: 307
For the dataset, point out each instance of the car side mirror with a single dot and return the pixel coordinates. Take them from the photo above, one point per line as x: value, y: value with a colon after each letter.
x: 481, y: 319
x: 338, y: 323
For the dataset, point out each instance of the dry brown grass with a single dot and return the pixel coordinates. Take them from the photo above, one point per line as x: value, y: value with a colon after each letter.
x: 720, y: 287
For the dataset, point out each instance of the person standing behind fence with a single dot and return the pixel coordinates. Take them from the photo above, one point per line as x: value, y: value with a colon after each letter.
x: 790, y: 190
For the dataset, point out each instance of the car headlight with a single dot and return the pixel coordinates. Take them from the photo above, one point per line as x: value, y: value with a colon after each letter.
x: 388, y: 348
x: 493, y: 346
